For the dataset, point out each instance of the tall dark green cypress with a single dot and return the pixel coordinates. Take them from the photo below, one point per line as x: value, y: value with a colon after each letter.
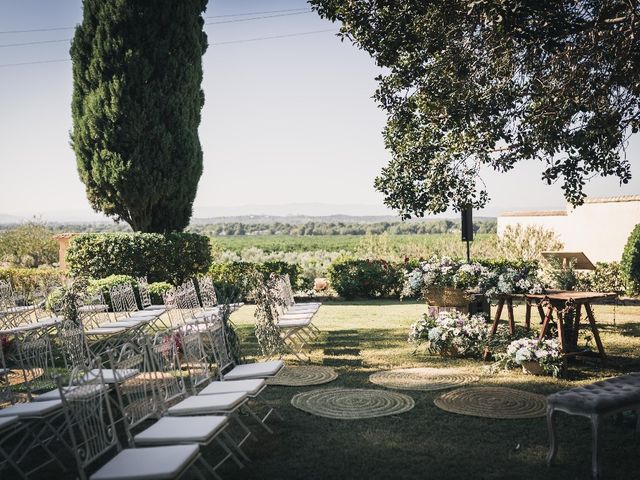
x: 137, y: 71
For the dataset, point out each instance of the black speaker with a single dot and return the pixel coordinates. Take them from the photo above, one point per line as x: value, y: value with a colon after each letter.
x: 467, y: 224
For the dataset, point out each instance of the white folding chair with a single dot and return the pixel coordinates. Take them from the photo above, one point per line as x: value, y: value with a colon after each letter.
x: 92, y: 430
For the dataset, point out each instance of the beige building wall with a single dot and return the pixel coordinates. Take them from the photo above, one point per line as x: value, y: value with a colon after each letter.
x: 599, y: 228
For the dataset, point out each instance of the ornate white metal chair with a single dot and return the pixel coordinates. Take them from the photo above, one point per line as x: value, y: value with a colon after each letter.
x: 93, y: 436
x: 138, y: 403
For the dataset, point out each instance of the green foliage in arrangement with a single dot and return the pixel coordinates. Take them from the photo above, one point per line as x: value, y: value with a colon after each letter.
x: 28, y: 245
x: 366, y: 278
x: 607, y: 277
x: 630, y: 263
x: 173, y: 257
x: 26, y: 281
x: 473, y: 84
x: 137, y: 71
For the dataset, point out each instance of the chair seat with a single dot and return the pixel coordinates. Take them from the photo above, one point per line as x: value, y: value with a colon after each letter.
x: 124, y: 323
x: 154, y: 307
x: 293, y: 323
x: 181, y: 430
x: 255, y: 370
x: 32, y: 409
x: 6, y: 422
x: 105, y: 331
x: 148, y: 463
x: 286, y: 316
x: 300, y: 311
x: 600, y: 397
x: 93, y: 308
x: 250, y: 386
x: 110, y: 377
x: 146, y: 314
x: 52, y: 394
x: 200, y: 405
x: 49, y: 321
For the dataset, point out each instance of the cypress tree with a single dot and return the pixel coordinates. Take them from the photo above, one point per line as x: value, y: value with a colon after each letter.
x: 137, y: 70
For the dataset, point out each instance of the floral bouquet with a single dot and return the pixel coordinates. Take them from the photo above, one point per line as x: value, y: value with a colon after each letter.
x: 546, y: 353
x: 451, y: 333
x: 509, y: 281
x: 441, y: 273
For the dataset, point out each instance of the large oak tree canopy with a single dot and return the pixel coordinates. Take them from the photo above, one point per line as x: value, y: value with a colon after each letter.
x: 137, y: 70
x: 494, y: 82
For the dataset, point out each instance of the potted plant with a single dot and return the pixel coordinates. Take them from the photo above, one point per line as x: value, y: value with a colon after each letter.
x: 443, y: 281
x: 536, y: 357
x: 451, y: 333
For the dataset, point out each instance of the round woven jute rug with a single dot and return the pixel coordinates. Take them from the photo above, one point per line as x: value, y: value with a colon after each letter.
x: 303, y: 376
x: 352, y: 403
x: 493, y: 402
x: 424, y: 379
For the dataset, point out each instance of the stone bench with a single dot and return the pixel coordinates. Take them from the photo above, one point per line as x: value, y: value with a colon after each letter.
x: 595, y: 401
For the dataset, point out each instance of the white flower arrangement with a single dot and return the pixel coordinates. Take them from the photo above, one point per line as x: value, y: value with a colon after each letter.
x: 546, y: 353
x: 439, y: 273
x: 451, y: 333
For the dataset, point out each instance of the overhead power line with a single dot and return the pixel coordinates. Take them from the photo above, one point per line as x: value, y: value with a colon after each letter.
x: 256, y: 13
x: 246, y: 40
x: 273, y: 37
x: 53, y: 29
x: 34, y: 43
x: 40, y: 42
x: 237, y: 20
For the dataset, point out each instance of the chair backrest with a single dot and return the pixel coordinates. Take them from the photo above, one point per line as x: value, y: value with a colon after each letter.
x: 35, y: 356
x: 7, y: 396
x: 143, y: 290
x: 89, y: 418
x: 196, y: 359
x: 73, y: 345
x: 6, y: 294
x: 164, y: 359
x: 208, y: 295
x: 123, y: 298
x: 220, y: 348
x: 135, y: 394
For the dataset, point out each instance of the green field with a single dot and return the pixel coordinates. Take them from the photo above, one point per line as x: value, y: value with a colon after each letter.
x: 348, y: 243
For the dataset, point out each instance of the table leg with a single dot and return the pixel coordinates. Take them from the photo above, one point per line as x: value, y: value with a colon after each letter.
x: 527, y: 315
x: 541, y: 313
x: 494, y: 327
x: 562, y: 339
x: 545, y: 321
x: 576, y: 327
x: 594, y: 330
x: 512, y: 322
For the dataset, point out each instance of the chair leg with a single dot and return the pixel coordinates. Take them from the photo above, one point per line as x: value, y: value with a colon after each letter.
x: 553, y: 440
x: 595, y: 453
x: 637, y: 421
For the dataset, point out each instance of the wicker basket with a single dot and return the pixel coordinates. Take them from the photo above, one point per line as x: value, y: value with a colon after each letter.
x: 446, y: 297
x: 533, y: 368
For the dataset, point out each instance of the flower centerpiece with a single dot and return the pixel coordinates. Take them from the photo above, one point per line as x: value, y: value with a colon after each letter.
x: 451, y: 333
x: 495, y: 282
x: 535, y: 356
x: 442, y: 281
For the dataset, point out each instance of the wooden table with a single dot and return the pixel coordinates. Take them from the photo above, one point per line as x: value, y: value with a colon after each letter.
x: 565, y: 306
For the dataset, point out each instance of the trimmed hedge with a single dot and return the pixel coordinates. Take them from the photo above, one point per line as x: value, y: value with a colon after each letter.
x: 630, y: 263
x: 366, y: 278
x: 26, y: 280
x: 233, y: 279
x: 174, y: 257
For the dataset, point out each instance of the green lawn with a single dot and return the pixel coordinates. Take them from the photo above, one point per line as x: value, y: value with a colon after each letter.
x: 361, y: 338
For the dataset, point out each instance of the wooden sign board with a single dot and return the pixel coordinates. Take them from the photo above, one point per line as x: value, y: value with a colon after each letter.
x: 581, y: 260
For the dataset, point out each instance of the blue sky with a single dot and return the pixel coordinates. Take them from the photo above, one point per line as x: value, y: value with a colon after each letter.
x: 286, y: 121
